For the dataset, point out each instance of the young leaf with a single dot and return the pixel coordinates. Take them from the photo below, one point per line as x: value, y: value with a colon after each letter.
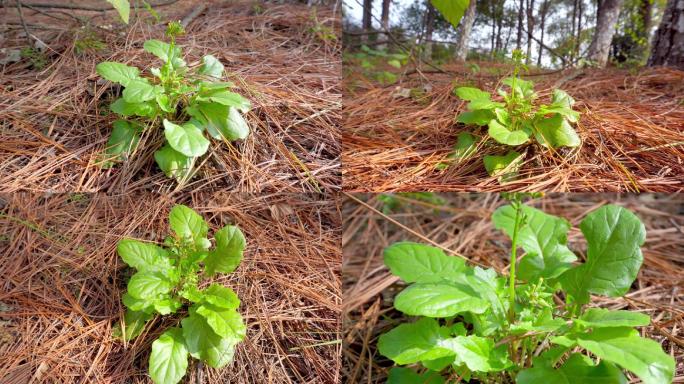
x: 478, y: 353
x: 149, y: 285
x: 543, y: 237
x: 143, y: 256
x: 123, y: 7
x: 226, y: 323
x: 203, y: 343
x: 167, y: 305
x: 160, y: 49
x: 577, y: 369
x: 117, y: 72
x: 187, y: 224
x: 556, y: 132
x: 412, y: 342
x: 138, y: 91
x: 123, y: 108
x: 503, y: 135
x: 414, y: 262
x: 211, y: 67
x: 506, y: 167
x: 173, y: 163
x: 230, y: 242
x: 228, y: 98
x: 452, y: 10
x: 398, y: 375
x: 484, y: 104
x: 602, y: 318
x: 186, y: 139
x: 169, y: 357
x: 477, y: 117
x: 439, y: 300
x: 221, y: 297
x: 164, y: 102
x: 624, y: 347
x: 124, y: 139
x: 471, y: 94
x: 614, y: 235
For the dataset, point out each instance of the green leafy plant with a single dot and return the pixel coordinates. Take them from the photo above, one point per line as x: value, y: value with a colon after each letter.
x: 473, y: 323
x: 370, y: 59
x: 186, y: 102
x: 123, y: 7
x: 515, y: 121
x: 168, y: 280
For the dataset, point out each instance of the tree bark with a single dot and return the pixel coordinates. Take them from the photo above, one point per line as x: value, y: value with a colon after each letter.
x: 384, y: 20
x: 543, y: 10
x: 607, y: 15
x: 668, y: 43
x: 530, y: 30
x: 492, y: 36
x: 429, y: 28
x: 367, y: 21
x: 578, y: 35
x: 465, y: 28
x: 574, y: 26
x: 518, y: 39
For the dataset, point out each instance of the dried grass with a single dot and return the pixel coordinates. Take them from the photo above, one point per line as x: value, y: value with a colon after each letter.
x: 632, y: 129
x: 53, y: 123
x: 61, y: 282
x: 463, y: 226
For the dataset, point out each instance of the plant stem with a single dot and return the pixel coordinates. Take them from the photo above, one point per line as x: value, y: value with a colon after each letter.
x: 514, y: 245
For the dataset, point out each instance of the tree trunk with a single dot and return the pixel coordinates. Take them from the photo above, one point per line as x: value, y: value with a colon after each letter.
x: 542, y: 14
x: 668, y: 43
x: 530, y: 30
x: 429, y: 27
x: 499, y: 26
x: 607, y: 15
x: 644, y: 31
x: 384, y: 20
x: 465, y: 28
x: 578, y: 35
x: 518, y: 39
x: 574, y: 26
x: 492, y: 36
x: 367, y: 21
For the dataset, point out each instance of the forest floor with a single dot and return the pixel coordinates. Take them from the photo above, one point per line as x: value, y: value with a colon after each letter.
x: 54, y: 113
x: 632, y: 131
x: 462, y: 223
x: 62, y: 280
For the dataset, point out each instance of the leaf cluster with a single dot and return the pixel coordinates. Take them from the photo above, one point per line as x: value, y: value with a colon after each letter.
x: 187, y: 102
x: 471, y: 323
x: 168, y: 279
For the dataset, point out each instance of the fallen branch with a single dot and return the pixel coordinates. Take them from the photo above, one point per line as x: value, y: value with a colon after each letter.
x: 84, y: 7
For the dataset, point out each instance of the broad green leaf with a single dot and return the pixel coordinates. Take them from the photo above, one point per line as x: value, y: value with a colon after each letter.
x: 414, y: 262
x: 601, y: 318
x: 203, y: 343
x: 452, y: 10
x: 505, y: 167
x: 556, y: 132
x: 236, y: 124
x: 465, y: 147
x: 412, y: 342
x: 134, y: 323
x: 577, y: 369
x: 228, y: 98
x: 149, y: 285
x: 543, y: 237
x: 186, y: 139
x: 205, y: 86
x: 143, y: 256
x: 138, y: 91
x: 502, y: 116
x: 167, y: 305
x: 121, y: 107
x: 220, y: 296
x: 187, y: 224
x: 160, y: 49
x: 169, y: 357
x: 225, y: 322
x: 117, y: 72
x: 624, y: 347
x: 164, y: 102
x: 173, y: 163
x: 230, y: 242
x: 221, y: 121
x: 399, y: 375
x: 124, y: 139
x: 394, y: 63
x: 123, y: 7
x: 478, y: 117
x: 438, y: 364
x: 135, y: 304
x: 561, y: 98
x: 567, y: 112
x: 614, y: 235
x: 478, y: 353
x: 503, y: 135
x: 471, y: 94
x: 484, y: 104
x: 211, y: 66
x: 439, y: 300
x: 520, y: 86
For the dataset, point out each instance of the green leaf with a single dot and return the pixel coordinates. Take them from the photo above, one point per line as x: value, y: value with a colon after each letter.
x: 471, y: 94
x: 164, y: 103
x: 221, y: 297
x: 123, y: 7
x: 117, y: 72
x: 143, y: 256
x: 124, y: 139
x: 230, y: 243
x: 600, y: 318
x: 138, y: 90
x: 452, y: 10
x: 203, y: 343
x: 186, y: 139
x: 478, y: 353
x: 135, y: 304
x: 556, y: 132
x: 577, y: 369
x: 465, y: 147
x: 506, y: 167
x: 439, y: 300
x: 121, y: 107
x: 149, y: 285
x: 398, y: 375
x: 211, y: 67
x: 225, y: 97
x: 624, y: 347
x: 503, y: 135
x: 161, y: 49
x: 414, y: 262
x: 167, y: 305
x: 221, y: 121
x: 225, y: 322
x: 187, y: 224
x: 169, y: 357
x: 614, y: 235
x: 478, y: 117
x: 484, y: 104
x: 412, y: 342
x: 394, y: 63
x: 543, y: 237
x: 561, y: 98
x: 173, y: 163
x: 134, y: 323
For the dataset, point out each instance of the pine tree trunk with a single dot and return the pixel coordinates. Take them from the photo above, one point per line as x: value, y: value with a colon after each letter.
x: 668, y: 43
x: 518, y: 39
x: 578, y: 34
x: 429, y: 27
x: 465, y: 28
x: 530, y: 30
x: 367, y: 21
x: 542, y: 14
x: 574, y: 26
x: 384, y: 20
x: 607, y: 15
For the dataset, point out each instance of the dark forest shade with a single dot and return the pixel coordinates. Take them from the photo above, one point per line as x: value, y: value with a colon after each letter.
x: 668, y: 43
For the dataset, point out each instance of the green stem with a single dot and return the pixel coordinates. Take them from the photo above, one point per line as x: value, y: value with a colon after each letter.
x: 511, y: 284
